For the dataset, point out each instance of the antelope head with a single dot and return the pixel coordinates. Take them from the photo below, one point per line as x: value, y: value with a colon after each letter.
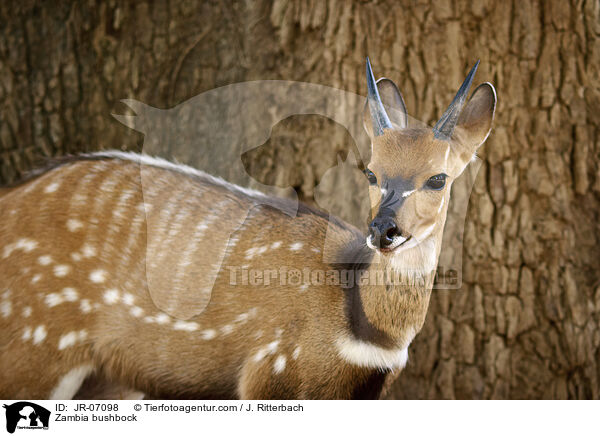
x: 412, y: 168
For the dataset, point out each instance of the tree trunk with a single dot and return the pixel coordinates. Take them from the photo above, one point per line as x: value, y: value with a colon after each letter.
x: 526, y: 322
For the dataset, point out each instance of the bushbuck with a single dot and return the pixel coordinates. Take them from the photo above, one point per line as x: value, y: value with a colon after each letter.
x: 77, y: 307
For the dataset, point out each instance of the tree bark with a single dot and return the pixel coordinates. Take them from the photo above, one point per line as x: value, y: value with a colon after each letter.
x: 526, y: 322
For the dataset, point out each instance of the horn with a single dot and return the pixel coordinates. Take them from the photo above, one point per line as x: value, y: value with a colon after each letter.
x: 378, y: 116
x: 445, y: 126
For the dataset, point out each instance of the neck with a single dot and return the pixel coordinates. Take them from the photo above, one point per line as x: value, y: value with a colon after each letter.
x: 388, y: 305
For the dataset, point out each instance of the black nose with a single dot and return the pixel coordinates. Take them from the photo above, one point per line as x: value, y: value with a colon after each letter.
x: 382, y: 231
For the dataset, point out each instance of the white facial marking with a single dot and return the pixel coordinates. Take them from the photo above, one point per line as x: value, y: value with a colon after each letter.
x: 26, y: 334
x: 296, y: 246
x: 275, y: 245
x: 45, y: 260
x: 52, y: 187
x: 441, y: 205
x: 128, y: 299
x: 85, y: 306
x: 74, y: 225
x: 27, y: 312
x: 426, y: 232
x: 369, y: 355
x: 296, y: 353
x: 71, y: 338
x: 111, y: 296
x: 6, y: 308
x: 279, y: 364
x: 39, y: 334
x: 208, y: 334
x: 136, y: 311
x: 407, y: 193
x: 70, y: 383
x: 185, y: 326
x: 61, y: 270
x: 98, y: 276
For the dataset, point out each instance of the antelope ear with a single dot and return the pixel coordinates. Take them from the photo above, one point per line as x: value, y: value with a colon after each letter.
x: 476, y: 118
x: 394, y: 105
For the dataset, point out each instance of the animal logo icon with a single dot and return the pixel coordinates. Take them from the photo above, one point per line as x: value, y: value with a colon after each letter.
x: 26, y: 415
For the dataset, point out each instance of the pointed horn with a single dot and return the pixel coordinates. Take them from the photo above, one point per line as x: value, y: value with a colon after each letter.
x: 378, y: 115
x: 445, y: 126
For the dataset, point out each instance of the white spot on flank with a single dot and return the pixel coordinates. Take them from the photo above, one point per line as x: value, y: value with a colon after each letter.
x: 128, y: 299
x: 268, y: 349
x: 74, y: 225
x: 45, y: 260
x: 71, y: 338
x: 52, y: 187
x: 162, y: 318
x: 186, y: 326
x: 39, y: 334
x: 6, y: 294
x: 27, y: 312
x: 26, y: 334
x: 250, y: 253
x: 279, y: 364
x: 226, y: 329
x: 136, y: 311
x: 6, y: 308
x: 407, y: 193
x: 53, y: 299
x: 98, y: 276
x: 296, y: 352
x: 61, y: 270
x: 36, y: 278
x: 24, y: 244
x: 88, y: 251
x: 85, y: 306
x: 242, y: 318
x: 76, y: 256
x: 209, y: 334
x: 111, y: 296
x: 70, y: 383
x: 296, y: 246
x: 70, y: 294
x: 275, y: 245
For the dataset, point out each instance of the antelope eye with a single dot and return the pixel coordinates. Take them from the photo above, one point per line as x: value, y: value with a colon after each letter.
x: 436, y: 182
x: 371, y: 177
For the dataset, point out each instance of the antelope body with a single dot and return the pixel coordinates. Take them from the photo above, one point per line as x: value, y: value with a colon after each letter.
x: 79, y: 262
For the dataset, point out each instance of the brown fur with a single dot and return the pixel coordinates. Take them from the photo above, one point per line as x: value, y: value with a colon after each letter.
x: 91, y: 276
